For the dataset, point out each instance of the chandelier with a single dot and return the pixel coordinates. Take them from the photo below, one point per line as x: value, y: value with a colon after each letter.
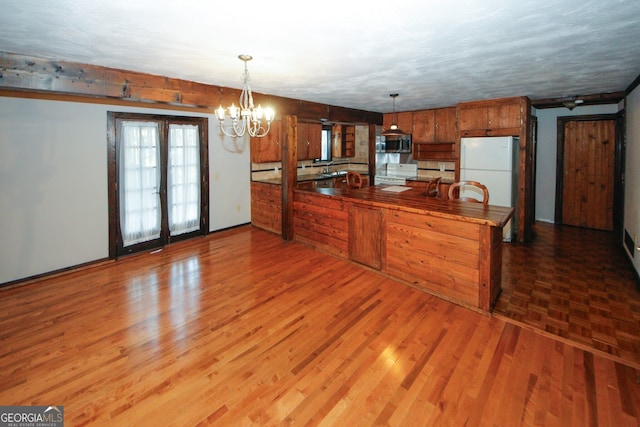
x: 246, y: 118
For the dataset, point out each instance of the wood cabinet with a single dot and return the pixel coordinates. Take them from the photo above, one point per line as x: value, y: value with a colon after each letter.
x: 434, y: 151
x: 268, y: 148
x: 434, y: 132
x: 348, y: 141
x: 485, y: 118
x: 321, y: 222
x: 344, y: 141
x: 309, y: 141
x: 446, y: 129
x: 424, y: 126
x: 453, y: 250
x: 266, y: 206
x: 366, y: 235
x: 436, y: 125
x: 404, y: 120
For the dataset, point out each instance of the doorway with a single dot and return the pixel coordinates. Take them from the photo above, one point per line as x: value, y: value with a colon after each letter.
x: 586, y: 171
x: 158, y: 187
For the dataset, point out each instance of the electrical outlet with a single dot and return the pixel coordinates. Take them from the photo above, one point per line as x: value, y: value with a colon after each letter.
x: 441, y: 167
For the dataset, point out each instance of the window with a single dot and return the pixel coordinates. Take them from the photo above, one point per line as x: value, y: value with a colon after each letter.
x: 158, y: 186
x: 326, y: 144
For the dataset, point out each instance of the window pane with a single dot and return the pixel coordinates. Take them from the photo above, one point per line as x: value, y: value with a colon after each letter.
x: 140, y: 181
x: 183, y: 185
x: 326, y: 144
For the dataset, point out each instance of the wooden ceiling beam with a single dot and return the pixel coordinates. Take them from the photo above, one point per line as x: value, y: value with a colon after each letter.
x: 33, y: 74
x: 594, y: 99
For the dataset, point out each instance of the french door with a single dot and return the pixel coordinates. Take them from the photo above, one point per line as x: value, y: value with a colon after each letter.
x: 158, y: 180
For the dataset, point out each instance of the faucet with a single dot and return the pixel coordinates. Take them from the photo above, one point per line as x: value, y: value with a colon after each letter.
x: 326, y: 167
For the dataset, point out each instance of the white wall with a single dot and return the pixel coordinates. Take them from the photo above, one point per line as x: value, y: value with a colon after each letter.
x: 546, y: 154
x: 632, y: 172
x: 53, y: 183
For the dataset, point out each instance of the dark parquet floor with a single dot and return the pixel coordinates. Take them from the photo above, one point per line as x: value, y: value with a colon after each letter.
x: 576, y: 285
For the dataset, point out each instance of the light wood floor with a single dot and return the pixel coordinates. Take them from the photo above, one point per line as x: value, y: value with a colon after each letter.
x: 241, y: 328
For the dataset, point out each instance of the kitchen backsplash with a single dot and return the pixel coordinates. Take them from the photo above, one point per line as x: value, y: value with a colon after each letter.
x: 432, y: 169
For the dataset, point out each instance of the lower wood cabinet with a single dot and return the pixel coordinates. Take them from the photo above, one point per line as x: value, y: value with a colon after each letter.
x: 457, y: 258
x: 321, y: 222
x: 266, y: 206
x: 366, y: 235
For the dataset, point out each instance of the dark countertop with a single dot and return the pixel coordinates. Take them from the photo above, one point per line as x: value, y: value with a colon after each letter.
x: 301, y: 178
x: 443, y: 181
x: 413, y: 200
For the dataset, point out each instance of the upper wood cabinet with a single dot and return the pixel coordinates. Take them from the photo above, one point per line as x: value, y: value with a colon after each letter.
x: 268, y: 148
x: 434, y: 134
x: 486, y: 117
x: 404, y: 120
x: 446, y: 125
x: 424, y: 126
x: 344, y: 141
x: 309, y: 141
x: 437, y: 125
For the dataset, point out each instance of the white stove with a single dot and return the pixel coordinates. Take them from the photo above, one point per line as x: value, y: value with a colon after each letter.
x: 397, y: 174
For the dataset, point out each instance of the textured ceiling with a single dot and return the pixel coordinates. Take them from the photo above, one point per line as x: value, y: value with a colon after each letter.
x: 433, y: 53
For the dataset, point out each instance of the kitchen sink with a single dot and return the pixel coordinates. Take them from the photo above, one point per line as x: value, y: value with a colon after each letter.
x: 334, y: 174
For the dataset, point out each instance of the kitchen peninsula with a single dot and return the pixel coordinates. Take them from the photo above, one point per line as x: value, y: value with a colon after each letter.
x: 449, y: 248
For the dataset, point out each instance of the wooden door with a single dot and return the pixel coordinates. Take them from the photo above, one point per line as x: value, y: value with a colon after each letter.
x: 588, y: 155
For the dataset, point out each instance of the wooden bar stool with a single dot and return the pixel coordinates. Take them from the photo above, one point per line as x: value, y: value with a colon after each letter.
x: 433, y: 187
x: 354, y: 180
x: 479, y: 187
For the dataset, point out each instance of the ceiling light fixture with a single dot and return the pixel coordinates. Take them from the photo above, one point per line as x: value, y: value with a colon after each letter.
x: 572, y: 104
x: 246, y: 117
x: 393, y: 130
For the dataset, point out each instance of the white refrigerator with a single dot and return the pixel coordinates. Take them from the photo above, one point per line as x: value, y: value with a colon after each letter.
x: 492, y: 161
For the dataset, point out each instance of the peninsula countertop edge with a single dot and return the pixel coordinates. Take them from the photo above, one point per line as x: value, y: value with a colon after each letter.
x: 414, y: 200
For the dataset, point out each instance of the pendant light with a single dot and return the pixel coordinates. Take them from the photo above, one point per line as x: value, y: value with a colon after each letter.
x: 393, y: 130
